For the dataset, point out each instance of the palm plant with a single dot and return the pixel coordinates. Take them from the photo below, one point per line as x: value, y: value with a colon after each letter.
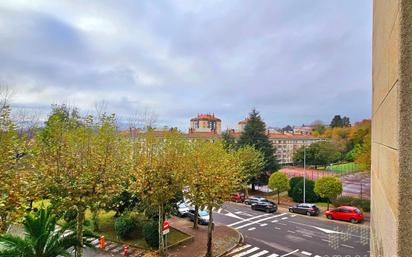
x: 42, y: 238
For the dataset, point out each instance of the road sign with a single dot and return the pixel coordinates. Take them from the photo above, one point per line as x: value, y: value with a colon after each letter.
x: 166, y: 227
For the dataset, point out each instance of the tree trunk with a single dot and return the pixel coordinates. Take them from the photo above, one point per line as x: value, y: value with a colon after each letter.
x: 253, y: 187
x: 161, y: 241
x: 246, y: 192
x: 278, y: 197
x: 328, y: 204
x: 95, y: 219
x: 196, y: 218
x: 79, y: 230
x: 210, y: 228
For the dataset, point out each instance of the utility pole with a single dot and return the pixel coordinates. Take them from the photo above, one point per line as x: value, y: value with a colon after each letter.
x: 304, y: 173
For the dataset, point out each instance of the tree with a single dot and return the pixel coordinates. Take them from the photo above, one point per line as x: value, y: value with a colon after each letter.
x: 251, y: 163
x: 254, y: 134
x: 83, y: 162
x: 288, y: 128
x: 229, y: 141
x: 41, y: 239
x: 339, y: 122
x: 319, y: 153
x: 346, y: 122
x: 158, y: 170
x: 279, y: 182
x: 318, y: 128
x: 297, y: 191
x: 328, y: 187
x: 12, y: 169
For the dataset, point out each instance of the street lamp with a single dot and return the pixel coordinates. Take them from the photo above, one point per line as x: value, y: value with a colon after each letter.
x: 304, y: 173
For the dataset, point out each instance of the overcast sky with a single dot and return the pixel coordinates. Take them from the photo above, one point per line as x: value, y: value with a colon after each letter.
x: 295, y: 61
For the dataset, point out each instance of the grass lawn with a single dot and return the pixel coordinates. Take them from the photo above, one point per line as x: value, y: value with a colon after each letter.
x: 106, y: 223
x: 344, y: 167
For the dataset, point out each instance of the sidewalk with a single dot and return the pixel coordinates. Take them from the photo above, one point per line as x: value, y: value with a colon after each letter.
x: 224, y: 238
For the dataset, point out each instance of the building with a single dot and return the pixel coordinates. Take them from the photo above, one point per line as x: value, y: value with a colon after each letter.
x: 391, y: 172
x: 286, y: 145
x: 205, y: 123
x: 304, y: 130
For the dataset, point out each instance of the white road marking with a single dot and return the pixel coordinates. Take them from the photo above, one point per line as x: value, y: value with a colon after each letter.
x: 251, y: 228
x: 306, y: 253
x: 306, y: 235
x: 348, y: 246
x: 273, y: 255
x: 325, y: 240
x: 239, y: 212
x: 284, y: 218
x: 293, y: 215
x: 264, y: 224
x: 238, y: 249
x: 220, y: 210
x: 244, y: 213
x: 245, y: 220
x: 257, y: 221
x: 290, y: 231
x: 254, y: 249
x: 274, y: 221
x: 318, y: 256
x: 277, y: 228
x: 290, y: 253
x: 259, y: 253
x: 214, y: 208
x: 234, y: 216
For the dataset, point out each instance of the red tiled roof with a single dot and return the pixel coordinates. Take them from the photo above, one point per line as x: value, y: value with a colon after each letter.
x: 210, y: 117
x: 244, y: 121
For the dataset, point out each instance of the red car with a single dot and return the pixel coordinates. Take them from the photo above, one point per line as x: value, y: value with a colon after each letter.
x: 237, y: 197
x: 348, y: 213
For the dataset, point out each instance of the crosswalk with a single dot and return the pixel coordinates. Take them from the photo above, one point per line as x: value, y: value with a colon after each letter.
x: 203, y: 208
x: 248, y: 250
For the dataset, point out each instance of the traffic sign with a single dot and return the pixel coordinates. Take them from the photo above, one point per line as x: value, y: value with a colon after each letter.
x: 166, y: 227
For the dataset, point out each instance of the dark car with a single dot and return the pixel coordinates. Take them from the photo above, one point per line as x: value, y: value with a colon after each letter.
x: 348, y: 213
x: 253, y: 199
x: 266, y: 206
x: 305, y: 208
x: 203, y: 216
x: 237, y: 197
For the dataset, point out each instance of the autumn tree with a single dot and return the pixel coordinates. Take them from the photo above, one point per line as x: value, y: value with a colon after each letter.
x: 279, y: 182
x: 12, y: 165
x: 319, y: 153
x: 328, y: 187
x: 252, y: 163
x: 82, y: 161
x: 158, y: 170
x: 255, y: 134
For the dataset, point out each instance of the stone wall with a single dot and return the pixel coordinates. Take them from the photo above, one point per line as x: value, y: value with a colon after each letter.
x: 391, y: 129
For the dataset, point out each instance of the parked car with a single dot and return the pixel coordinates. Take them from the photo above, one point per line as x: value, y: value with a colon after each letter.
x: 237, y: 197
x: 266, y: 206
x: 309, y: 209
x: 253, y: 199
x: 348, y: 213
x: 181, y: 209
x: 203, y: 216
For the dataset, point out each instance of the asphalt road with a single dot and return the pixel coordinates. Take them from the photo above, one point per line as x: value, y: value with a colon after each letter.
x: 286, y: 234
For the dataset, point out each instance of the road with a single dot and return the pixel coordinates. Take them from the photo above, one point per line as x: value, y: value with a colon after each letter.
x: 284, y: 234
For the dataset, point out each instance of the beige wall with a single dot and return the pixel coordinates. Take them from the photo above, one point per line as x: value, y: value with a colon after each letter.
x: 391, y: 222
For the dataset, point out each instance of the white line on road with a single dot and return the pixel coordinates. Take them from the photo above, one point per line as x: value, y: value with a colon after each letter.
x: 325, y: 240
x: 290, y: 253
x: 264, y: 224
x: 306, y: 235
x: 274, y: 221
x: 239, y: 249
x: 259, y: 253
x: 290, y: 231
x: 251, y: 228
x: 277, y: 228
x: 273, y: 255
x: 220, y: 210
x: 306, y: 253
x: 284, y: 218
x: 254, y: 249
x: 348, y: 246
x: 293, y: 215
x: 257, y: 221
x: 248, y: 219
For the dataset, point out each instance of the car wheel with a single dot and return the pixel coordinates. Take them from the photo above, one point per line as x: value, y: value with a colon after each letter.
x: 329, y: 217
x: 267, y: 210
x: 291, y: 210
x: 353, y: 221
x: 308, y: 213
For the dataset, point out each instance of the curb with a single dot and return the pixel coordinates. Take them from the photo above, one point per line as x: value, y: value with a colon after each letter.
x: 240, y: 241
x: 190, y: 238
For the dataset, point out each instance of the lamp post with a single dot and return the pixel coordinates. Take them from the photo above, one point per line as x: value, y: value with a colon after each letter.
x: 304, y: 173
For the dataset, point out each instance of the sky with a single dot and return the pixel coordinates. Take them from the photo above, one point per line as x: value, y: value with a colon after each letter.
x: 294, y: 61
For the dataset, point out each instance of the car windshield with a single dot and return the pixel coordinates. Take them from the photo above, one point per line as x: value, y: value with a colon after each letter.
x: 182, y: 205
x: 357, y: 211
x: 203, y: 213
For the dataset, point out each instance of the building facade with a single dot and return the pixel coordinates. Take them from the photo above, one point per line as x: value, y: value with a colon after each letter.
x: 205, y: 123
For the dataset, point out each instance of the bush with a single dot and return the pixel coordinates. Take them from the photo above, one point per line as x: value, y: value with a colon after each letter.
x: 70, y: 215
x: 297, y: 192
x: 125, y: 225
x: 363, y: 204
x: 292, y: 183
x: 151, y: 233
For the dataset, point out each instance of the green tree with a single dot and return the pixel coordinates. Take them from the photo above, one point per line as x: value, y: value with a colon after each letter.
x: 83, y: 162
x: 254, y: 134
x: 41, y: 239
x: 297, y: 191
x: 251, y: 163
x: 279, y: 182
x: 328, y: 187
x: 319, y: 153
x: 159, y: 170
x: 229, y: 141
